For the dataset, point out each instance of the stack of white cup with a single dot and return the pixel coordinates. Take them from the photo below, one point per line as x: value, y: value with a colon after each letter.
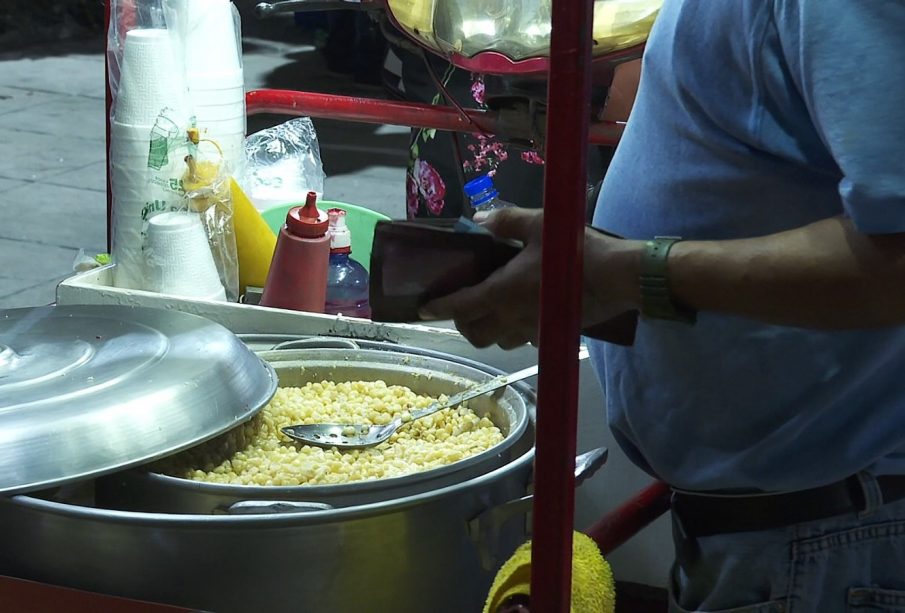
x: 213, y: 65
x: 151, y: 80
x: 179, y: 258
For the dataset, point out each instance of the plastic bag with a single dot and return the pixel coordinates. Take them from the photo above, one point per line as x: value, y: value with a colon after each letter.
x: 188, y: 243
x: 155, y: 49
x: 83, y: 262
x: 206, y: 185
x: 282, y: 164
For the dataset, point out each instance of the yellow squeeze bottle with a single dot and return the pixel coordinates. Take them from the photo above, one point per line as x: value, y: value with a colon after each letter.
x: 255, y: 241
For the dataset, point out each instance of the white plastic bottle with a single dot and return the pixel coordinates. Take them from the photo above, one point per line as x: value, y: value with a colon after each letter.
x: 347, y: 279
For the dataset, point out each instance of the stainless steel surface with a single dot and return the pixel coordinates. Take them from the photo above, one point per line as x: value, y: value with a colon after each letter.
x: 587, y: 464
x: 319, y: 342
x: 408, y: 555
x: 485, y: 527
x: 264, y: 507
x: 426, y: 372
x: 358, y: 436
x: 88, y: 390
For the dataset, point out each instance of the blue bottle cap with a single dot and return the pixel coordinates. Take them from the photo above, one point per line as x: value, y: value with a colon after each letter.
x: 479, y: 185
x: 480, y: 190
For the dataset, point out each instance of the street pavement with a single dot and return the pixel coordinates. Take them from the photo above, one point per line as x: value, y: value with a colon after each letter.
x: 52, y: 153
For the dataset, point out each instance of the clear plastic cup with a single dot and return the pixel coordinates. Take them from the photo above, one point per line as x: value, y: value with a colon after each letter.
x: 218, y: 96
x: 216, y: 80
x: 211, y: 37
x: 220, y: 112
x: 223, y: 127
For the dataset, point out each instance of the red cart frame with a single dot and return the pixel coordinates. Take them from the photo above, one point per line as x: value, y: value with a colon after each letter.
x: 567, y: 135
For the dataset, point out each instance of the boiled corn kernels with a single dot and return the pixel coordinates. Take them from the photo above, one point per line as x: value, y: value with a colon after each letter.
x: 257, y: 453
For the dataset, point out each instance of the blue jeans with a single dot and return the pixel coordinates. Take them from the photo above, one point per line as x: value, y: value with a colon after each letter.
x: 848, y: 564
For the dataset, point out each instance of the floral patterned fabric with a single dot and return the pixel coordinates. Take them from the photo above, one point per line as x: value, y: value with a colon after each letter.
x: 440, y: 162
x: 433, y: 182
x: 425, y: 187
x: 435, y: 177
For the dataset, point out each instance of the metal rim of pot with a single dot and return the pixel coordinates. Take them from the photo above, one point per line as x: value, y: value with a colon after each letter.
x: 587, y: 465
x: 306, y: 517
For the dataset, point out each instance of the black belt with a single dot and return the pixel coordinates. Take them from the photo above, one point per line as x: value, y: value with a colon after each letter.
x: 703, y: 514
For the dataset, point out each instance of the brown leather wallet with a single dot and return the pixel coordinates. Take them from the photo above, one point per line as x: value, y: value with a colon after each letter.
x: 414, y: 262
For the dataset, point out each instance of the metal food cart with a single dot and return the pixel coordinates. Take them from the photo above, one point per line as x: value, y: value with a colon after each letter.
x: 627, y: 500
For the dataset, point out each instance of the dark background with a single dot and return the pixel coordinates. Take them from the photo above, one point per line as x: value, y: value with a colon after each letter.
x: 24, y: 22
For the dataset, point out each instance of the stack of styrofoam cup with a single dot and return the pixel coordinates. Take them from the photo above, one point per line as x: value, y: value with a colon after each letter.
x: 131, y: 192
x: 213, y: 61
x: 179, y: 258
x: 150, y: 101
x: 151, y: 77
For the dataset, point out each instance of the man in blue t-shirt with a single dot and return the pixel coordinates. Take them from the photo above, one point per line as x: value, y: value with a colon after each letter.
x: 766, y: 384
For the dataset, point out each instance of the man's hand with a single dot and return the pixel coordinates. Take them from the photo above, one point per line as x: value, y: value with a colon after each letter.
x: 504, y: 309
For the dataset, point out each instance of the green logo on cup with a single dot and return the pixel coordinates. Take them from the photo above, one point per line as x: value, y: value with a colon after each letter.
x: 163, y: 133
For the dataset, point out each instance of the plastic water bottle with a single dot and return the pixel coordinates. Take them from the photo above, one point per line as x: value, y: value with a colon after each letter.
x: 347, y: 280
x: 483, y: 195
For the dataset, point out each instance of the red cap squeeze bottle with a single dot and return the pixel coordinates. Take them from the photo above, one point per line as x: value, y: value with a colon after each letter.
x: 297, y: 278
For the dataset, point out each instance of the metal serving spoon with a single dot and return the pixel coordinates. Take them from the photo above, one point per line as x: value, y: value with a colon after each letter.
x: 357, y: 436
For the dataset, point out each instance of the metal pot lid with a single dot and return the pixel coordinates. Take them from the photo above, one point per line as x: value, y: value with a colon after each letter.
x: 89, y: 390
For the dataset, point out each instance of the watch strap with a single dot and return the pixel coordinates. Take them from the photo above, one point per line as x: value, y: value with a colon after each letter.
x: 656, y: 297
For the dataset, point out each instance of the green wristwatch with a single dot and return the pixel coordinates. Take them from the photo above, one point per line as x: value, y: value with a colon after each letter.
x: 656, y: 298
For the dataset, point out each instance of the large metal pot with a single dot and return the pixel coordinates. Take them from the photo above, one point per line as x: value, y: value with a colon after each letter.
x: 414, y: 554
x: 429, y: 543
x: 435, y: 551
x: 143, y: 490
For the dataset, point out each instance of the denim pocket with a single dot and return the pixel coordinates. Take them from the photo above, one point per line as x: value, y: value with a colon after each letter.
x: 771, y: 606
x: 865, y: 559
x: 875, y: 600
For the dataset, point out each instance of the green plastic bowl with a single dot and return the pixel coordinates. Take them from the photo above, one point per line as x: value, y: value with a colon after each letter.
x: 361, y: 222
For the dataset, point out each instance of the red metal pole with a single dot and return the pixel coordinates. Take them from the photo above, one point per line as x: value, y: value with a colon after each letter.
x: 606, y: 133
x: 568, y: 104
x: 630, y: 517
x: 367, y: 110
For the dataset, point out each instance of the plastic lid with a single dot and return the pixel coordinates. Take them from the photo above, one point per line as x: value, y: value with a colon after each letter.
x: 89, y: 390
x: 476, y: 186
x: 340, y: 237
x: 480, y: 190
x: 308, y: 221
